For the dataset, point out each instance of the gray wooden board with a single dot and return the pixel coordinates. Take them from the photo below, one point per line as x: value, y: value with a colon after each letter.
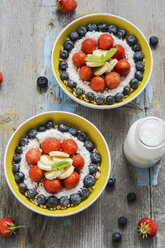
x: 27, y: 32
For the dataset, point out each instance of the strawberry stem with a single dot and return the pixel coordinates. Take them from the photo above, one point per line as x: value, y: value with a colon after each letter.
x: 143, y: 230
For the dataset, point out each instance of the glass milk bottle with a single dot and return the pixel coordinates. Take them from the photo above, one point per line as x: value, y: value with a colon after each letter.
x: 145, y: 142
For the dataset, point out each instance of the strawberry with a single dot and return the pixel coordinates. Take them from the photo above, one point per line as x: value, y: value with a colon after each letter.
x: 79, y: 59
x: 105, y: 41
x: 52, y: 186
x: 66, y: 6
x: 147, y: 228
x: 1, y: 77
x: 112, y: 80
x: 86, y: 73
x: 69, y: 146
x: 36, y: 174
x: 88, y: 46
x: 78, y: 162
x: 72, y: 181
x: 123, y: 67
x: 120, y: 53
x: 97, y: 83
x: 7, y: 227
x: 33, y: 156
x: 50, y: 144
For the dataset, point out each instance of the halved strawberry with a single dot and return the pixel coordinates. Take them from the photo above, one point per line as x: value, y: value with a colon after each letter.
x: 88, y: 46
x: 86, y: 73
x: 50, y: 144
x: 78, y: 162
x: 52, y: 186
x: 120, y: 53
x: 97, y: 83
x: 79, y: 59
x: 69, y: 146
x: 112, y: 80
x: 105, y: 41
x: 123, y: 67
x: 33, y: 156
x: 72, y: 181
x: 36, y: 174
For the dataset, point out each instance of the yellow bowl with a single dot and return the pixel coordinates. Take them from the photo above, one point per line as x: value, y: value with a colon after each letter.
x: 71, y: 120
x: 120, y: 23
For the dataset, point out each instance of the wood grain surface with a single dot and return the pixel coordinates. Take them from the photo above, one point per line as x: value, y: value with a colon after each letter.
x: 27, y: 33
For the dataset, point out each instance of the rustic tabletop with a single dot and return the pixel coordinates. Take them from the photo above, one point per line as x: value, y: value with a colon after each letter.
x: 28, y: 31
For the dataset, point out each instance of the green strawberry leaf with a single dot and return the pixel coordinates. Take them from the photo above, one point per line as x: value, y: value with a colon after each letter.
x: 102, y: 58
x: 60, y: 165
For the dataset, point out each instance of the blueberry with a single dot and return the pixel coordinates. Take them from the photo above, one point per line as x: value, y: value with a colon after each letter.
x: 102, y: 27
x: 19, y: 177
x: 15, y: 168
x: 95, y: 157
x: 138, y: 56
x: 23, y: 142
x: 64, y: 54
x: 79, y: 91
x: 73, y: 131
x: 32, y: 134
x: 110, y: 100
x: 134, y: 83
x: 154, y: 40
x: 112, y: 29
x: 91, y: 27
x: 75, y: 198
x: 18, y: 149
x: 16, y: 158
x: 23, y: 188
x: 62, y: 128
x: 126, y: 91
x: 92, y: 168
x: 68, y: 45
x: 139, y: 75
x: 131, y: 197
x: 131, y: 40
x: 41, y: 199
x: 140, y: 66
x: 41, y: 128
x: 111, y: 181
x: 136, y: 48
x: 121, y: 33
x: 100, y: 99
x: 119, y: 97
x: 122, y: 221
x: 89, y: 145
x: 90, y: 96
x: 84, y: 192
x: 71, y: 84
x: 63, y: 65
x: 116, y: 237
x: 64, y: 201
x: 64, y: 75
x: 73, y: 36
x: 52, y: 201
x: 42, y: 82
x: 81, y: 31
x: 49, y: 124
x: 31, y: 193
x: 89, y: 181
x: 82, y: 136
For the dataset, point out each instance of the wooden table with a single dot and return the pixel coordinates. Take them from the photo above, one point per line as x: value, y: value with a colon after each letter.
x: 28, y: 30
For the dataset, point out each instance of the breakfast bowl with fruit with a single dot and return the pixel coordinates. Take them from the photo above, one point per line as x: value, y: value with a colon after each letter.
x: 57, y: 163
x: 102, y: 61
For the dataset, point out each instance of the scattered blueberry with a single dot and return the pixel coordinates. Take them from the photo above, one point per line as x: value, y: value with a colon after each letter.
x: 90, y: 96
x: 154, y: 40
x: 23, y: 142
x: 81, y: 31
x: 64, y: 54
x: 32, y: 134
x: 119, y: 97
x: 23, y: 188
x: 41, y: 199
x: 79, y: 91
x: 110, y: 100
x: 102, y: 27
x: 131, y: 40
x: 42, y: 82
x: 92, y: 168
x: 16, y: 158
x: 49, y: 124
x: 41, y: 128
x: 89, y: 145
x: 63, y: 65
x: 64, y: 201
x: 126, y: 91
x: 95, y: 157
x: 99, y: 99
x: 116, y: 237
x: 64, y: 75
x: 15, y: 168
x: 31, y: 193
x: 62, y: 128
x: 91, y: 27
x: 84, y: 192
x: 68, y: 45
x: 121, y: 33
x: 71, y: 84
x: 18, y: 149
x: 73, y: 131
x: 139, y: 75
x: 111, y: 181
x: 131, y: 197
x: 112, y: 29
x: 19, y: 177
x: 82, y: 136
x: 134, y: 83
x: 140, y: 66
x: 136, y: 48
x: 138, y: 56
x: 52, y: 201
x: 122, y: 221
x: 89, y: 181
x: 73, y: 36
x: 75, y: 198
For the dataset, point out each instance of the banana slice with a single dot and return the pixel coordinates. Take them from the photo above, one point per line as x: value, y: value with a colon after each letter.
x: 111, y: 65
x: 53, y: 174
x: 94, y: 64
x: 58, y: 154
x: 44, y: 166
x: 45, y: 159
x: 101, y: 70
x: 56, y: 160
x: 67, y: 172
x: 99, y: 52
